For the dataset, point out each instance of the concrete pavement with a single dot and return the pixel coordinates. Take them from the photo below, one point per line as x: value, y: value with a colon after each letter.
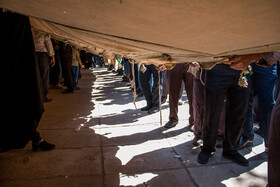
x: 102, y: 140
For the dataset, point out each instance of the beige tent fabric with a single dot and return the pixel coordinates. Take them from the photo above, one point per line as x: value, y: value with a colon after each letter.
x: 158, y: 31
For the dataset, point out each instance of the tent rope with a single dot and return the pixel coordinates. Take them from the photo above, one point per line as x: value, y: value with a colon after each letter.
x: 159, y: 97
x: 133, y: 85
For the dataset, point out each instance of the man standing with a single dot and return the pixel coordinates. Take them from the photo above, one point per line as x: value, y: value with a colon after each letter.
x: 176, y: 76
x: 221, y: 82
x: 151, y: 95
x: 263, y: 85
x: 23, y: 105
x: 76, y: 62
x: 44, y: 50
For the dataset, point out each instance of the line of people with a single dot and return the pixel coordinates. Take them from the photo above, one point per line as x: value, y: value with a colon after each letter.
x: 220, y: 107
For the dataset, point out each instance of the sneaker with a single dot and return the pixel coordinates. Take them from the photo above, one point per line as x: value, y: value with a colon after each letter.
x: 197, y: 141
x: 170, y: 124
x: 236, y: 157
x: 203, y: 156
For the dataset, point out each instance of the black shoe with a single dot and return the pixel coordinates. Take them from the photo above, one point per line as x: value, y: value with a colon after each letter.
x: 170, y: 124
x: 190, y: 127
x: 163, y: 99
x: 68, y: 91
x: 219, y: 142
x: 258, y: 131
x: 138, y: 91
x: 3, y: 149
x: 141, y: 94
x: 153, y: 110
x: 44, y: 146
x: 244, y: 142
x: 203, y: 157
x: 77, y: 88
x: 146, y: 108
x: 237, y: 158
x: 125, y: 80
x: 47, y: 100
x: 197, y: 141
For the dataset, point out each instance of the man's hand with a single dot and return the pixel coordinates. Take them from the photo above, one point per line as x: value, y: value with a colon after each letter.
x: 242, y: 61
x: 194, y: 64
x: 52, y: 62
x: 160, y: 67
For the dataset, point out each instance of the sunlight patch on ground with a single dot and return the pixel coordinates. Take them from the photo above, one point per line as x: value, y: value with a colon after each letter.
x: 121, y: 88
x: 258, y: 149
x: 136, y: 179
x: 259, y: 173
x: 127, y: 152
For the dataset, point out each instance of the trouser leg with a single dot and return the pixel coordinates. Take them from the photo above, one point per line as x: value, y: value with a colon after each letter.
x: 213, y: 108
x: 35, y: 135
x: 247, y: 129
x: 198, y: 106
x: 165, y: 85
x: 273, y: 147
x: 68, y: 74
x: 144, y: 81
x: 175, y: 83
x: 75, y: 70
x: 265, y: 79
x: 218, y: 80
x: 44, y: 66
x: 221, y: 129
x: 155, y: 87
x: 188, y: 81
x: 236, y: 110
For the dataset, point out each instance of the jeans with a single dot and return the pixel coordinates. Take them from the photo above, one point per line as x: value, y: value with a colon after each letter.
x: 126, y: 67
x: 151, y: 95
x: 75, y: 70
x: 263, y: 85
x: 222, y: 83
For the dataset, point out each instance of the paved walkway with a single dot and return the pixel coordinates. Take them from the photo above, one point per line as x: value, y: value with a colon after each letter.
x: 102, y: 140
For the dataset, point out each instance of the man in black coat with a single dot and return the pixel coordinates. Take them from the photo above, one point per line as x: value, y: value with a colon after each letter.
x: 22, y: 100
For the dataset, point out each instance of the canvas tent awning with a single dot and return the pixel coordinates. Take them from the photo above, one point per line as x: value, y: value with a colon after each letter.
x: 158, y: 31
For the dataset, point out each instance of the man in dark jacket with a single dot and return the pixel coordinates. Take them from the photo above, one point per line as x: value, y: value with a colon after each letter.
x: 23, y: 104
